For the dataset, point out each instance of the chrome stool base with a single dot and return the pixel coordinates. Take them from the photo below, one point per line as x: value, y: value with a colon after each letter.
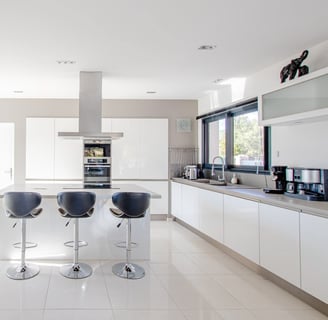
x: 19, y: 272
x: 78, y: 271
x: 128, y: 270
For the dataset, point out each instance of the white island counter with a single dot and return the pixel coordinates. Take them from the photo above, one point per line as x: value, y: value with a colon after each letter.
x: 49, y: 231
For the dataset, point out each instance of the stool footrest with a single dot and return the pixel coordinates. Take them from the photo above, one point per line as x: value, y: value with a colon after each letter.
x: 28, y: 245
x: 71, y: 244
x: 122, y: 244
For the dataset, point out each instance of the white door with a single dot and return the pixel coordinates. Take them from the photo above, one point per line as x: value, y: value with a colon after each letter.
x: 7, y: 154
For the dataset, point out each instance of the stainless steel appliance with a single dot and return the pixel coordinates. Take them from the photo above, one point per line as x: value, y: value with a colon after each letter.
x: 97, y: 164
x: 307, y: 184
x: 279, y: 177
x: 190, y: 172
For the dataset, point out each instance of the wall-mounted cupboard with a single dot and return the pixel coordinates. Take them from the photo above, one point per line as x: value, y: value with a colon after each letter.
x: 300, y: 100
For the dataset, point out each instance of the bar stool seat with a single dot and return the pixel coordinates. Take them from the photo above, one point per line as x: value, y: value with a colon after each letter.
x: 23, y: 206
x: 129, y: 205
x: 76, y: 206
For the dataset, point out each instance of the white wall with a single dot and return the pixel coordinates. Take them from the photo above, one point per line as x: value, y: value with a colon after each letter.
x: 17, y: 110
x: 293, y: 145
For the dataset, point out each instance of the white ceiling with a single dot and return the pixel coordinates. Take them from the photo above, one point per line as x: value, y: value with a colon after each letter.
x: 148, y: 45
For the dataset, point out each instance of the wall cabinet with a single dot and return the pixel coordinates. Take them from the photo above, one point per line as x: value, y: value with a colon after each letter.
x: 241, y: 227
x: 49, y: 156
x: 314, y: 256
x: 300, y: 100
x: 280, y: 245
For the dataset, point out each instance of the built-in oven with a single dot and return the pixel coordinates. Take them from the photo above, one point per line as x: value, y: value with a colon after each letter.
x: 97, y: 163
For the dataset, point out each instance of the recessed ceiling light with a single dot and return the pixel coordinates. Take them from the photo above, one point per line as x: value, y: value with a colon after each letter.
x: 66, y: 61
x: 151, y: 92
x: 207, y: 47
x: 18, y: 91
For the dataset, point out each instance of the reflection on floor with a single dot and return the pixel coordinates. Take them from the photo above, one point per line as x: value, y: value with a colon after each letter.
x: 186, y: 278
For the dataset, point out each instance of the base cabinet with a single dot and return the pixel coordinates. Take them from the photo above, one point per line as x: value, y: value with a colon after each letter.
x: 190, y: 205
x: 280, y: 245
x: 176, y: 204
x: 210, y: 211
x: 241, y: 227
x: 314, y: 256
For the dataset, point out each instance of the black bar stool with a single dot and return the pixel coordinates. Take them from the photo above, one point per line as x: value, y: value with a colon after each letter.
x: 130, y: 205
x: 23, y: 206
x: 76, y: 205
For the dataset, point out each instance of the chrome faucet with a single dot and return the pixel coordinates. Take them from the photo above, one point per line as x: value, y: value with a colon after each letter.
x: 213, y: 172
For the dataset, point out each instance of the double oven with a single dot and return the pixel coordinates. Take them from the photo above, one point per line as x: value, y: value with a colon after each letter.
x: 97, y: 164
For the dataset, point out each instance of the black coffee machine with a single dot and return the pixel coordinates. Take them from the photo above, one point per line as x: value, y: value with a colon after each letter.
x: 279, y: 177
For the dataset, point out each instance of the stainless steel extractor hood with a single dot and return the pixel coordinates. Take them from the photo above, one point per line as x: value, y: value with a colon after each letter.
x: 90, y: 110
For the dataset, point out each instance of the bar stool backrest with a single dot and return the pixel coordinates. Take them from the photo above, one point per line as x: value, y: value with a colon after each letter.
x: 76, y: 203
x: 21, y: 204
x: 132, y: 204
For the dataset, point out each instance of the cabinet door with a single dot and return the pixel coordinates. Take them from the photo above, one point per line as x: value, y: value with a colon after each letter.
x: 153, y: 149
x: 40, y: 148
x: 210, y: 211
x: 68, y: 152
x: 241, y: 227
x: 279, y: 242
x: 125, y: 151
x: 106, y: 125
x: 176, y: 200
x: 189, y: 196
x: 314, y: 256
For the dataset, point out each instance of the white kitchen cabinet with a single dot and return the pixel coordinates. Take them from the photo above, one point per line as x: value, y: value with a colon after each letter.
x: 279, y: 242
x: 176, y: 200
x: 142, y: 153
x: 241, y: 227
x: 40, y: 148
x: 157, y: 206
x: 301, y: 100
x: 210, y: 211
x: 314, y: 256
x: 106, y: 125
x: 68, y: 152
x: 190, y: 205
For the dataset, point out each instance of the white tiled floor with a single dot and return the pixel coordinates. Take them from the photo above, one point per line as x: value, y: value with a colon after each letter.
x: 186, y: 279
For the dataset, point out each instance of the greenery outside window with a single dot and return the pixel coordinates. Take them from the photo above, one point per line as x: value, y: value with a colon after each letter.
x: 234, y: 134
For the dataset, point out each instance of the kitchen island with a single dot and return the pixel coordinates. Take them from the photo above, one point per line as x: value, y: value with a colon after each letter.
x: 49, y: 232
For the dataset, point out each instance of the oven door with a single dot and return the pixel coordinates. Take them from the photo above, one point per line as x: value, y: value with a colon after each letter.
x: 96, y: 173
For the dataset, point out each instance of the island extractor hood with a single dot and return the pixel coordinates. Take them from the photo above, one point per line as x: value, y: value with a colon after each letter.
x: 90, y: 110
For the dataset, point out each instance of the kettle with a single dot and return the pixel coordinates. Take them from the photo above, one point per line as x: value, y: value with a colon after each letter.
x: 190, y: 172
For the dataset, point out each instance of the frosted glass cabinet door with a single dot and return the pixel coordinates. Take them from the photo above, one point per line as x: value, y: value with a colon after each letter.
x: 40, y: 148
x: 68, y: 152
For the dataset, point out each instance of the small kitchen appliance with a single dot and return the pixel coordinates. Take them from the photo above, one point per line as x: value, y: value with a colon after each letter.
x: 307, y: 184
x: 279, y: 177
x: 190, y: 172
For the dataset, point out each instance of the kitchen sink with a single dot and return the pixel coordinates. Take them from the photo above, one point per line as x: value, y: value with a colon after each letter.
x: 227, y: 185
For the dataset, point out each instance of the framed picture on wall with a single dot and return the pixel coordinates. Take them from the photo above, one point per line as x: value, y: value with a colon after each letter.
x: 184, y: 125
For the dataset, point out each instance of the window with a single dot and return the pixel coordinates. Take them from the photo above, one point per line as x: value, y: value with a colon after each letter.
x: 234, y: 134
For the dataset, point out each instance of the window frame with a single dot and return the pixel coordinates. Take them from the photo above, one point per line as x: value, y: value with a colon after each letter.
x: 229, y: 114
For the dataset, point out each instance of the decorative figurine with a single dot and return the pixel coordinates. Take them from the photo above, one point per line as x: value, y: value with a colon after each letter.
x: 295, y: 65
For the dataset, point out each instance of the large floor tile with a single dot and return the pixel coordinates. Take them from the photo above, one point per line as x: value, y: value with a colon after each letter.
x: 275, y: 314
x: 88, y: 293
x: 78, y: 315
x: 148, y: 315
x: 201, y: 314
x: 24, y: 294
x: 146, y: 293
x: 241, y: 314
x: 198, y: 292
x: 21, y: 314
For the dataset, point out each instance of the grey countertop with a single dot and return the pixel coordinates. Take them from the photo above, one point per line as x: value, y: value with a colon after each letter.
x: 51, y: 190
x: 319, y: 208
